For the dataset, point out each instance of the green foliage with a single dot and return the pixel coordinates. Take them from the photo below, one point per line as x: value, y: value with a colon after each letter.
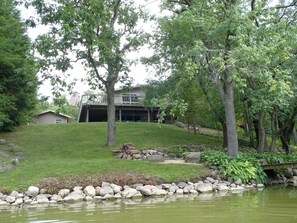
x: 18, y: 82
x: 239, y: 169
x: 246, y: 166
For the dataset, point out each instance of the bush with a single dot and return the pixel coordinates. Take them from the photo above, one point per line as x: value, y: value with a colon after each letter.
x: 246, y: 166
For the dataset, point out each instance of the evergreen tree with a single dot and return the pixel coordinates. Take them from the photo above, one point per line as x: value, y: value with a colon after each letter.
x: 18, y: 82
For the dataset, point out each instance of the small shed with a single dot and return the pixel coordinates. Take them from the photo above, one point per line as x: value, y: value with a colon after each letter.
x: 52, y: 117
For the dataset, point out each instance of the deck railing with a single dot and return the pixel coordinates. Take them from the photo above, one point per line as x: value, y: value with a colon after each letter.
x: 123, y: 99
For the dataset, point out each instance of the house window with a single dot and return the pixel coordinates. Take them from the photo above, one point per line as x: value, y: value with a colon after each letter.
x: 58, y: 121
x: 130, y: 98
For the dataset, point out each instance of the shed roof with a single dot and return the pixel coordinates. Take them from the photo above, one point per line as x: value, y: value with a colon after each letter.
x: 53, y: 112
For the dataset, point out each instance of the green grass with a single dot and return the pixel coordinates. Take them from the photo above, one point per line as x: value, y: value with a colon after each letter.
x: 79, y: 150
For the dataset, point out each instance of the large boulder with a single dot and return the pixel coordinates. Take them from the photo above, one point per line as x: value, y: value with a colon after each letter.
x: 90, y: 191
x: 106, y: 189
x: 63, y: 193
x: 32, y: 191
x: 75, y: 196
x: 204, y: 188
x: 42, y: 199
x: 116, y: 188
x: 222, y: 187
x: 155, y: 158
x: 129, y: 192
x: 193, y: 157
x: 10, y: 199
x: 295, y: 181
x: 149, y: 190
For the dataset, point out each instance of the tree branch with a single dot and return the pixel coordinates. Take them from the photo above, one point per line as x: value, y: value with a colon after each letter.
x: 115, y: 14
x: 93, y: 64
x: 293, y: 3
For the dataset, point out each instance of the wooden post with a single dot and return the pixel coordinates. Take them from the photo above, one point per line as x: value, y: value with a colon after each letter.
x: 148, y: 116
x: 120, y: 115
x: 87, y: 116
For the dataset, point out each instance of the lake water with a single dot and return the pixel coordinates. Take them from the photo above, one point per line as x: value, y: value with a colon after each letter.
x: 273, y: 205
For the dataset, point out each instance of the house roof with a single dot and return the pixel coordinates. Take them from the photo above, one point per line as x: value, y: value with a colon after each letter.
x: 53, y: 112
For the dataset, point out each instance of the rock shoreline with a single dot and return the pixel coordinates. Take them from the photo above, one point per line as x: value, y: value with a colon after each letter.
x: 108, y: 191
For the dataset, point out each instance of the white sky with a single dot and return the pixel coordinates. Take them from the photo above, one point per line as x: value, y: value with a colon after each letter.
x: 138, y: 71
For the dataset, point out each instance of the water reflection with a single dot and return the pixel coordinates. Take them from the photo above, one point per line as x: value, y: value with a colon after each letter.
x: 270, y: 205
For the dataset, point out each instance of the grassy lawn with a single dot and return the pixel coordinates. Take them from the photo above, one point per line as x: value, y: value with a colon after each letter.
x: 79, y: 150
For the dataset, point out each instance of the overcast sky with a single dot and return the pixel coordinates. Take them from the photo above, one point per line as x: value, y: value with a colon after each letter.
x: 138, y: 72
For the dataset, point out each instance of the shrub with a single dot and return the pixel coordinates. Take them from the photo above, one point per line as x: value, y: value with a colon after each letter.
x: 246, y: 166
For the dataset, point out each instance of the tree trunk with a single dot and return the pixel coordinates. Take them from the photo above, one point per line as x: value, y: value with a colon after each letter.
x: 295, y: 136
x: 261, y: 134
x: 256, y: 128
x: 111, y: 133
x: 225, y: 135
x: 274, y: 130
x: 285, y: 135
x: 230, y: 119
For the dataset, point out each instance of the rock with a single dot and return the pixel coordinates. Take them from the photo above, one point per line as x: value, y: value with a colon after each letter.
x: 210, y: 180
x: 129, y: 192
x: 42, y: 199
x: 97, y: 189
x: 155, y: 158
x: 14, y: 193
x: 108, y: 196
x: 222, y: 187
x: 181, y: 185
x: 117, y: 196
x: 32, y: 191
x: 3, y: 142
x: 288, y: 173
x: 78, y: 188
x: 105, y: 184
x: 248, y: 187
x: 10, y: 199
x: 173, y: 188
x: 116, y: 188
x: 63, y: 193
x: 6, y: 168
x: 166, y: 186
x: 56, y: 198
x: 179, y: 191
x: 19, y: 201
x: 74, y: 196
x: 237, y: 188
x: 43, y: 191
x: 193, y: 157
x: 90, y: 191
x: 295, y: 181
x: 88, y: 198
x: 106, y: 190
x: 3, y: 203
x: 204, y: 188
x: 238, y: 181
x: 136, y: 156
x: 98, y: 198
x: 27, y: 201
x: 149, y: 190
x: 260, y: 185
x: 188, y: 188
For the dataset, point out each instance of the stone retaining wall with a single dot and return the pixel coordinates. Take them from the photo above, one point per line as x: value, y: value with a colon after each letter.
x: 109, y: 191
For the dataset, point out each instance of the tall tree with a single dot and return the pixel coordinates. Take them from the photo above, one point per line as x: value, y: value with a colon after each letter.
x: 18, y: 81
x: 200, y: 36
x: 99, y: 33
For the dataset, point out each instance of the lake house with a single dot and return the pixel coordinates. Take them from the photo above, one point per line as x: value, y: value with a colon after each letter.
x: 129, y: 107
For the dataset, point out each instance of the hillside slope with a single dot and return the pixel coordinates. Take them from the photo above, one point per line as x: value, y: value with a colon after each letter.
x: 79, y: 150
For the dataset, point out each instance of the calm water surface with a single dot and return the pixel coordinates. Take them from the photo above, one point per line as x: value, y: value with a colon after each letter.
x: 270, y: 205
